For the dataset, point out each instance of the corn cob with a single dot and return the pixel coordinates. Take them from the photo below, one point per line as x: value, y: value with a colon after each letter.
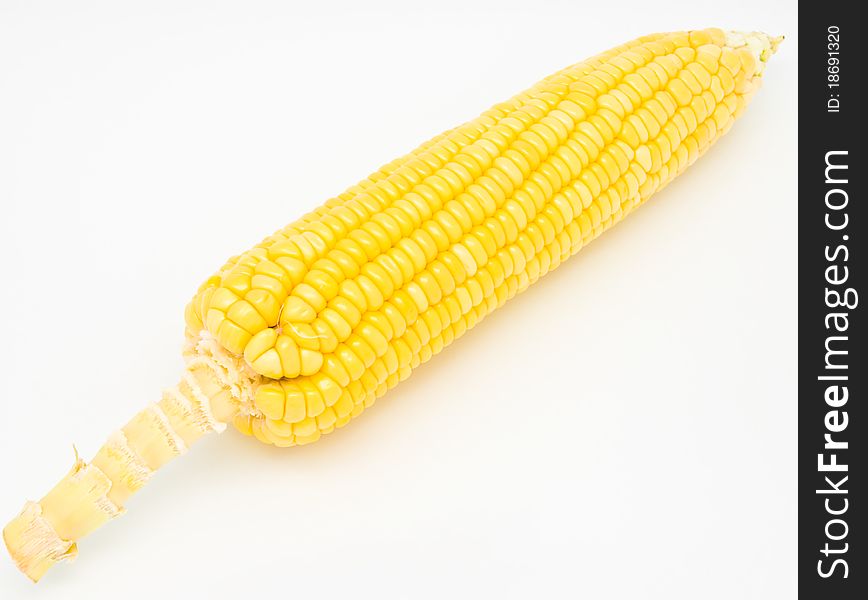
x: 295, y: 337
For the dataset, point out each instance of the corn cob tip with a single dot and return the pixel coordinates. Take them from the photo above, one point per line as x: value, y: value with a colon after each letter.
x: 761, y: 46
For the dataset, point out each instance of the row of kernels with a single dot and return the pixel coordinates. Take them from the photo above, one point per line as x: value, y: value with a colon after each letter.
x: 477, y: 257
x: 415, y: 346
x: 295, y: 400
x: 314, y: 220
x: 308, y: 245
x: 592, y: 227
x: 511, y: 267
x: 696, y: 137
x: 277, y: 355
x: 501, y: 134
x: 559, y: 120
x: 445, y: 217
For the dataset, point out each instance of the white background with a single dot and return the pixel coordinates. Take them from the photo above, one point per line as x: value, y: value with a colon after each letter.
x: 625, y: 429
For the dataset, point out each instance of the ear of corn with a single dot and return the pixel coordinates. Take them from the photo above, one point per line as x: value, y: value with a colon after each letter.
x: 295, y: 337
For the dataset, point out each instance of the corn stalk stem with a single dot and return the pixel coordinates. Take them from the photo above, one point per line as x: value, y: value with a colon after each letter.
x: 215, y: 387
